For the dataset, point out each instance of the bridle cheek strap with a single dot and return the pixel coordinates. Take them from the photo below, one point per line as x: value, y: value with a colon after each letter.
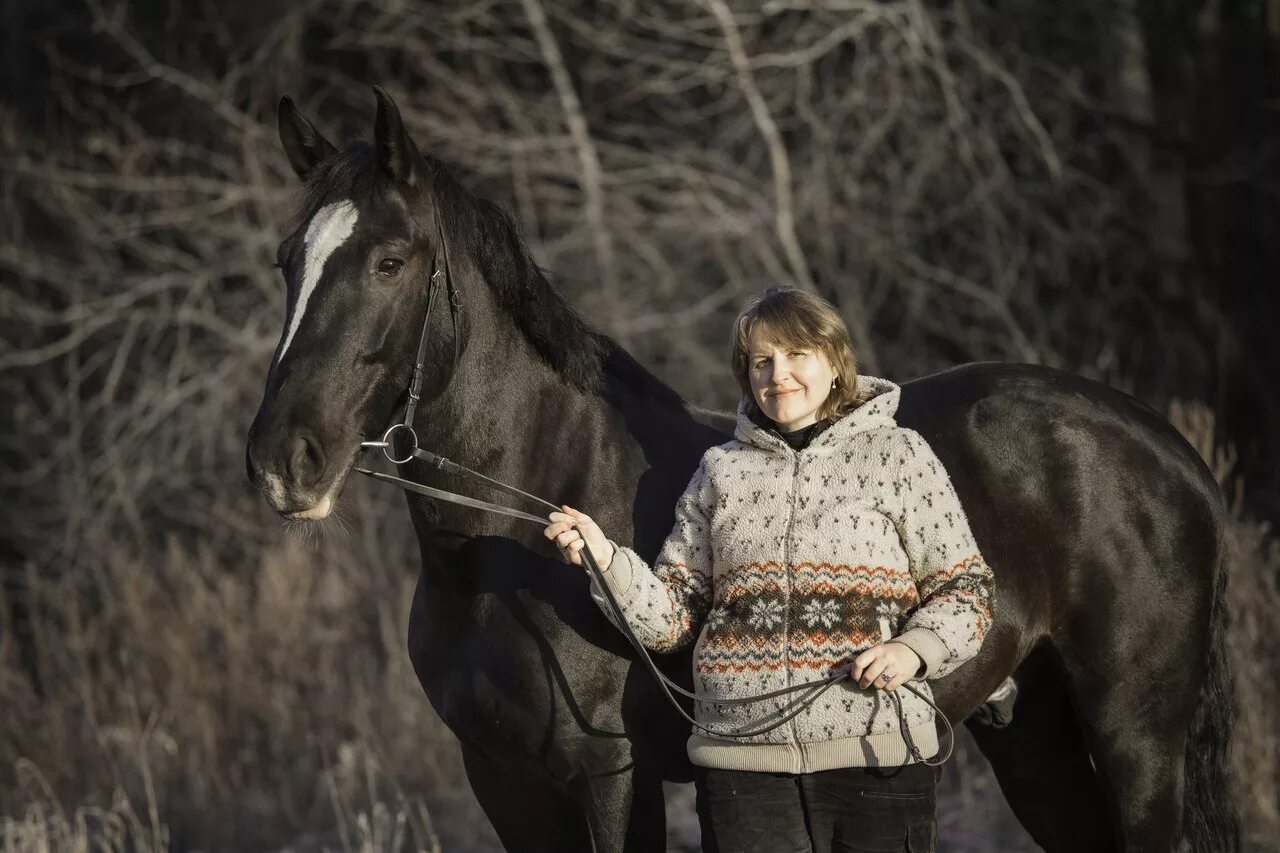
x: 400, y: 442
x: 419, y: 364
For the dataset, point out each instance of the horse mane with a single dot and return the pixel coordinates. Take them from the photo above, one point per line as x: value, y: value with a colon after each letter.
x: 524, y: 291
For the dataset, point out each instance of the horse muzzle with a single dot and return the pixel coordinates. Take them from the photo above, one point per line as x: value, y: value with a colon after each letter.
x: 296, y: 475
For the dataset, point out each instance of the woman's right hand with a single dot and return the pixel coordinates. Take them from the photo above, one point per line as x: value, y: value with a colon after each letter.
x: 571, y: 531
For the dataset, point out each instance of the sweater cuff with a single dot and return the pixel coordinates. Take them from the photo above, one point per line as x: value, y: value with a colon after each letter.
x: 928, y: 645
x: 620, y: 572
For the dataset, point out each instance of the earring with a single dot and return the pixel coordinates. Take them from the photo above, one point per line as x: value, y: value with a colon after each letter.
x: 833, y: 382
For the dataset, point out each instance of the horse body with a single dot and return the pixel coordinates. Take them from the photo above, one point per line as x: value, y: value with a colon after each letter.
x: 1101, y: 524
x: 1104, y: 529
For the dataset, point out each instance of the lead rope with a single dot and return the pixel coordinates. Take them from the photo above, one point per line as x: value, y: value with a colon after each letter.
x: 818, y: 686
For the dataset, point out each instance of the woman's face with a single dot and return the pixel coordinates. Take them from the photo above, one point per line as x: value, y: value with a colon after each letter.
x: 790, y: 383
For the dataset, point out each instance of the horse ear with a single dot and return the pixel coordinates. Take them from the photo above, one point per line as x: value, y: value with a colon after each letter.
x: 396, y: 151
x: 303, y: 144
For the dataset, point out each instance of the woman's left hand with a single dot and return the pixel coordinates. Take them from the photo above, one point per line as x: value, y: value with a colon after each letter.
x: 886, y: 666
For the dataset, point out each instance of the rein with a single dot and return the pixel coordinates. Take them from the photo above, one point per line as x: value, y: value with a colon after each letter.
x: 399, y: 444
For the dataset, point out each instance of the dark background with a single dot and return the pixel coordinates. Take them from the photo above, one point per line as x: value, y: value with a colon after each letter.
x: 1089, y: 185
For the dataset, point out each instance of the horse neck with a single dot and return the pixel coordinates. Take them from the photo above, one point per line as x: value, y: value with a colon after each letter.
x: 484, y: 410
x: 510, y: 416
x: 505, y: 407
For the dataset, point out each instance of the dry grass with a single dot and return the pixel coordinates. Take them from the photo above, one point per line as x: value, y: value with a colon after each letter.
x: 183, y: 702
x: 1254, y: 601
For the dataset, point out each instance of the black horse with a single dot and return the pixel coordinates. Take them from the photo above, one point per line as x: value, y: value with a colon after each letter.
x: 1103, y: 526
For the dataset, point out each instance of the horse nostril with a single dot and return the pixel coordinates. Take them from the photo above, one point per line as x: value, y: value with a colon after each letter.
x: 250, y: 469
x: 306, y: 460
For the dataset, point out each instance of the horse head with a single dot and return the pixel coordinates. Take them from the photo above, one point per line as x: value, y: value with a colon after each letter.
x: 358, y: 264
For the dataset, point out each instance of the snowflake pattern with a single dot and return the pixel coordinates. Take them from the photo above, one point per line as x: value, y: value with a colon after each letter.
x: 888, y: 612
x: 820, y: 612
x: 765, y: 614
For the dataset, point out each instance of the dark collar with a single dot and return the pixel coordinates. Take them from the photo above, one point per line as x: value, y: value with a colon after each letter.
x: 798, y: 439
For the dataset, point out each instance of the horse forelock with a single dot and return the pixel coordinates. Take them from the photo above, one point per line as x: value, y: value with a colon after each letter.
x: 352, y: 173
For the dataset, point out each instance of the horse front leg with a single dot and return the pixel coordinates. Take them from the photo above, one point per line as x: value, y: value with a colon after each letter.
x: 529, y: 812
x: 625, y: 809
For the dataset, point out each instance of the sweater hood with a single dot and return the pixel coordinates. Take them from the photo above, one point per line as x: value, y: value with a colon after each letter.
x: 881, y: 404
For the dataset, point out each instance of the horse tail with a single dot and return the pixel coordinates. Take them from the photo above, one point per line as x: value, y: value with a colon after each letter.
x: 1210, y: 820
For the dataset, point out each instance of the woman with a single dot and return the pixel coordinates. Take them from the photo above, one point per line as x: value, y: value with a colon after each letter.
x: 823, y: 535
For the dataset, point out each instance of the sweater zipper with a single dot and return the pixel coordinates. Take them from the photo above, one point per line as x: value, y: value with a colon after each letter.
x: 786, y: 564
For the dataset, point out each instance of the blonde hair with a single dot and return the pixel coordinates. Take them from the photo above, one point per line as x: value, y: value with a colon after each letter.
x: 788, y: 316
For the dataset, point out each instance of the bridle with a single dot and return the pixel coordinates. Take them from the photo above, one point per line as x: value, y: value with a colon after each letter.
x: 399, y: 444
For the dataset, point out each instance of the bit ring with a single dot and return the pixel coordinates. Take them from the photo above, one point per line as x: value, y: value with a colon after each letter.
x: 389, y: 445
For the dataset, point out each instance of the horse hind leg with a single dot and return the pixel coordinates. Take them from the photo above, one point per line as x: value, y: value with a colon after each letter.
x: 1041, y: 762
x: 1153, y: 688
x: 1136, y: 680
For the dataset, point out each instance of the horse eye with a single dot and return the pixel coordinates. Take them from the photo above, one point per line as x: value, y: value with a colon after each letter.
x: 390, y: 266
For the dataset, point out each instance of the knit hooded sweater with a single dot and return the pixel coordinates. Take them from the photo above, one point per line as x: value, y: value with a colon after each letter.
x: 783, y: 563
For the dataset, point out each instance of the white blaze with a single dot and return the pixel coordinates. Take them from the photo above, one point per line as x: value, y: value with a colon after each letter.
x: 329, y: 229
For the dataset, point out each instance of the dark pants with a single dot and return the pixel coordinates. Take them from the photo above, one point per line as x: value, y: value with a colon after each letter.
x: 862, y: 809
